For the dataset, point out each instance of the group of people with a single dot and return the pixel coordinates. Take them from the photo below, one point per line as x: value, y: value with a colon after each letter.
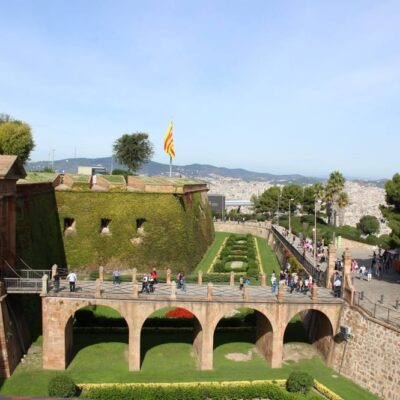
x: 292, y: 281
x: 181, y: 281
x: 149, y: 281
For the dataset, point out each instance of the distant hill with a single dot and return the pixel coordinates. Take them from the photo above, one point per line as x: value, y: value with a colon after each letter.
x: 155, y: 168
x: 192, y: 171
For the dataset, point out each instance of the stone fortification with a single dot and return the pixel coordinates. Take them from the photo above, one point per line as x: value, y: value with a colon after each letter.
x: 371, y: 356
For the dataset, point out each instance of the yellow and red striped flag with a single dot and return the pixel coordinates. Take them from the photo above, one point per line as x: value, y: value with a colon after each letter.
x: 169, y: 141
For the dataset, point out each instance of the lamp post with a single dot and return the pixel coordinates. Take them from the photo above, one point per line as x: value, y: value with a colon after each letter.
x: 290, y: 227
x: 317, y: 202
x: 279, y: 203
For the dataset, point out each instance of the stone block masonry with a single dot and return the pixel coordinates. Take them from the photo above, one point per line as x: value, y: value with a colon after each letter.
x: 371, y: 357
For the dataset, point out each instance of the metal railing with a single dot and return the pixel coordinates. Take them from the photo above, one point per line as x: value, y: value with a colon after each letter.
x: 33, y: 273
x: 390, y: 315
x: 23, y: 285
x: 304, y: 261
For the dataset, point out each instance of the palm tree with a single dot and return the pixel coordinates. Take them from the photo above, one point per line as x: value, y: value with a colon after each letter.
x: 342, y: 203
x: 333, y: 187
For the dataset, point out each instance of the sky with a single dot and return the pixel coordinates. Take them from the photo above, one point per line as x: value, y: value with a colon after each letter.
x: 283, y: 87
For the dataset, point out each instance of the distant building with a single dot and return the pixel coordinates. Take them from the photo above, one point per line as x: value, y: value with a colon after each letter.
x: 82, y: 170
x: 217, y: 202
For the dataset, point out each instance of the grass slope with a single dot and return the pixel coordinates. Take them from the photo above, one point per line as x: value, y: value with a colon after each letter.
x: 211, y: 253
x: 268, y: 259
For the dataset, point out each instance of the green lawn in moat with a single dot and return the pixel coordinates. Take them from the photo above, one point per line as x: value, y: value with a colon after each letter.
x: 269, y: 261
x: 211, y: 252
x: 167, y: 357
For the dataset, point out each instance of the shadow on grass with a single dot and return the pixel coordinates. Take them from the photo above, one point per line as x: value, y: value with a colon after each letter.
x: 224, y: 336
x: 154, y: 338
x: 82, y: 341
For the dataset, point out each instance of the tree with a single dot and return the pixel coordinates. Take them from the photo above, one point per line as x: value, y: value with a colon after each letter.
x: 267, y: 202
x: 393, y: 192
x: 133, y: 150
x: 342, y: 203
x: 312, y: 194
x: 333, y: 187
x: 368, y: 225
x: 15, y: 138
x: 292, y: 193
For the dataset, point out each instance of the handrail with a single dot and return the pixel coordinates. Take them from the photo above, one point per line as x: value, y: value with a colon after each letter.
x: 378, y: 311
x: 302, y: 260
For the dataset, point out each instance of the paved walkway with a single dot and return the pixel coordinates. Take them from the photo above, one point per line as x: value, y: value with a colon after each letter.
x: 85, y: 289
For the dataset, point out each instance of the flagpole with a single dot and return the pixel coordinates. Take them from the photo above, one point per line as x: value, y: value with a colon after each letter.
x: 170, y: 166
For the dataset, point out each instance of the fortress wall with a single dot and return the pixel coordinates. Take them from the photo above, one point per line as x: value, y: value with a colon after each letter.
x: 10, y: 349
x: 175, y: 233
x: 39, y: 239
x: 371, y: 356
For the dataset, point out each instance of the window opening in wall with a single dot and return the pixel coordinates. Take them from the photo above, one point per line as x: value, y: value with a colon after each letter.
x: 140, y: 222
x: 105, y: 226
x: 69, y: 226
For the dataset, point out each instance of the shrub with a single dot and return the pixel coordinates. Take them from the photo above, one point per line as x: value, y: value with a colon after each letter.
x: 62, y: 386
x: 299, y: 382
x: 368, y: 224
x: 179, y: 313
x: 219, y: 266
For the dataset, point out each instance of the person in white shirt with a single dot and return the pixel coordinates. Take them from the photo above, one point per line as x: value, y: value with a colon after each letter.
x: 337, y: 285
x: 72, y: 278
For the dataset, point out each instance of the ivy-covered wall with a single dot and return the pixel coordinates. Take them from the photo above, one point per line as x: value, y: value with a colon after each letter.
x: 38, y: 236
x: 176, y: 234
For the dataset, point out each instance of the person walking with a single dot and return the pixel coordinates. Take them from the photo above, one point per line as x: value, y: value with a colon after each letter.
x: 56, y: 279
x: 145, y: 284
x: 154, y: 275
x: 273, y: 283
x: 116, y: 277
x: 241, y: 282
x: 183, y: 282
x: 337, y: 285
x: 72, y: 278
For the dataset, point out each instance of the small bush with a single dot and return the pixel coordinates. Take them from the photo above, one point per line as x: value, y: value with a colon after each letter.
x: 62, y: 386
x: 299, y: 382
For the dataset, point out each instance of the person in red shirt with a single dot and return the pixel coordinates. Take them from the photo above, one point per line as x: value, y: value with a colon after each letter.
x: 154, y: 275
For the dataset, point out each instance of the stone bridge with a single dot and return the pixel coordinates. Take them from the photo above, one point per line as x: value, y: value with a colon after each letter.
x: 209, y: 304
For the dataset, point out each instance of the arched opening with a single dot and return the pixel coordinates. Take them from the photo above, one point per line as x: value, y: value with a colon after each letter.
x: 94, y: 330
x: 307, y: 334
x: 243, y: 335
x: 172, y: 337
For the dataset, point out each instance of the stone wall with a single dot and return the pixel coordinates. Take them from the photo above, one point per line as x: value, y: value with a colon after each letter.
x: 258, y: 229
x: 371, y: 356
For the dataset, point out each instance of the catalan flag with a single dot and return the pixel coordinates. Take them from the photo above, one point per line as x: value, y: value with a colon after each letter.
x: 169, y: 141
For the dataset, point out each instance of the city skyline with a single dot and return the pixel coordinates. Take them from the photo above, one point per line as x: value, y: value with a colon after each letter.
x: 281, y: 88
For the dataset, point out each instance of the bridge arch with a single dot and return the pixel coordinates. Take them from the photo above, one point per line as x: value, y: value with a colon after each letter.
x: 70, y: 349
x: 194, y: 320
x: 319, y: 327
x: 262, y: 336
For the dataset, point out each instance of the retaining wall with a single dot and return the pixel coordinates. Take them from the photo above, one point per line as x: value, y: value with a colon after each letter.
x: 371, y: 357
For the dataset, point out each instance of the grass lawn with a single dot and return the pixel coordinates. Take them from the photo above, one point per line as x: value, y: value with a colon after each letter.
x: 166, y: 358
x: 268, y: 259
x: 212, y: 251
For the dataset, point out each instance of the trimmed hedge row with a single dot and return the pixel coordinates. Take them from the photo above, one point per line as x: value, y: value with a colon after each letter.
x: 245, y: 392
x: 238, y: 248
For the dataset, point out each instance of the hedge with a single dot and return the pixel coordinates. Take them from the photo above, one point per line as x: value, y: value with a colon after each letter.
x: 62, y: 386
x: 200, y: 392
